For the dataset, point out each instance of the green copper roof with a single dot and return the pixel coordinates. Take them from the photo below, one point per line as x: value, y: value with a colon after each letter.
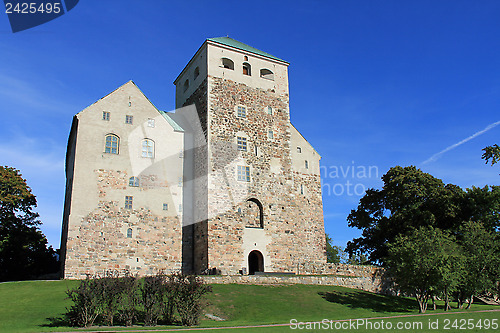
x: 239, y: 45
x: 172, y: 122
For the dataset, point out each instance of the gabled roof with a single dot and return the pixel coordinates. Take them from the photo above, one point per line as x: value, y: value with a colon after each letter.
x: 242, y: 46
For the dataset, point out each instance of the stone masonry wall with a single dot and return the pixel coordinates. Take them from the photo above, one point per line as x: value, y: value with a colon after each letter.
x: 293, y: 222
x: 100, y: 243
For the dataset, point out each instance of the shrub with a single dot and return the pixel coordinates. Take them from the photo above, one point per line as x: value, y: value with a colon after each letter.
x: 129, y: 301
x: 86, y: 302
x: 189, y: 302
x: 153, y: 291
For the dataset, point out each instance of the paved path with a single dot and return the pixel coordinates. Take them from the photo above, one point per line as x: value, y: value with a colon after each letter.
x: 277, y: 325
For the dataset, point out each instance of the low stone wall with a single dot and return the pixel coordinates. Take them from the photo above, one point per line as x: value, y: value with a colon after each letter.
x: 375, y: 283
x: 338, y: 269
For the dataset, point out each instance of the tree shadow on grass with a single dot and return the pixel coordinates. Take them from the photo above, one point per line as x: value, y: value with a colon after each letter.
x: 369, y: 301
x: 56, y: 322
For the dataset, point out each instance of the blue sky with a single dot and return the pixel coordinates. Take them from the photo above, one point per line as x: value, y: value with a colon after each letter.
x: 372, y: 83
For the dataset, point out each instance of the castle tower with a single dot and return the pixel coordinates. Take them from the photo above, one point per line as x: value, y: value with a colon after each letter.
x: 257, y: 191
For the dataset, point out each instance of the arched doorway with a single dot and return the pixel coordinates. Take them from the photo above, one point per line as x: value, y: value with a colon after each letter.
x: 255, y: 262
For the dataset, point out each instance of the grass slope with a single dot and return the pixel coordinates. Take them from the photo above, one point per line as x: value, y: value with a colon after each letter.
x: 27, y: 306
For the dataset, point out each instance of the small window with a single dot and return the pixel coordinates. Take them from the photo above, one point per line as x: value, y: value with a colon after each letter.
x: 301, y: 189
x: 227, y: 63
x: 239, y: 210
x: 245, y: 57
x: 307, y: 165
x: 269, y: 110
x: 243, y: 173
x: 256, y: 150
x: 128, y: 202
x: 133, y: 182
x: 151, y: 122
x: 105, y: 115
x: 181, y: 154
x: 129, y: 119
x: 186, y: 85
x: 270, y: 134
x: 180, y: 181
x: 242, y: 143
x: 148, y: 148
x: 196, y: 72
x: 165, y: 206
x: 129, y: 233
x: 112, y: 144
x: 180, y: 207
x: 242, y: 112
x: 247, y: 69
x: 266, y: 74
x: 299, y: 150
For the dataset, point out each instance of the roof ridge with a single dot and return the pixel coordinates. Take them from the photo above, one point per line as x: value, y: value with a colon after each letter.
x: 242, y: 46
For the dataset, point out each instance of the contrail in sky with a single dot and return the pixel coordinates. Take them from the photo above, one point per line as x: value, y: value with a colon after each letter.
x: 453, y: 146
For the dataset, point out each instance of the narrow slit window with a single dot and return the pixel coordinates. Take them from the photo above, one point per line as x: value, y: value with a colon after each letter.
x: 269, y: 110
x: 196, y: 72
x: 186, y: 85
x: 129, y: 233
x: 307, y: 164
x: 270, y: 134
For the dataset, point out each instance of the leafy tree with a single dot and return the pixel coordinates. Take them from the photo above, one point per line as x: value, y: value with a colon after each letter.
x: 334, y: 253
x: 424, y: 262
x: 483, y: 205
x: 493, y: 153
x: 23, y: 248
x: 409, y: 199
x: 482, y: 250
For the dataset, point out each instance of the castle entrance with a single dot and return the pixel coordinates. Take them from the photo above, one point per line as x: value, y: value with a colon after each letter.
x: 255, y: 262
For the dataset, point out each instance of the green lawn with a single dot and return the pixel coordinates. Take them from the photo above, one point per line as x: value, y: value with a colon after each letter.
x: 28, y: 307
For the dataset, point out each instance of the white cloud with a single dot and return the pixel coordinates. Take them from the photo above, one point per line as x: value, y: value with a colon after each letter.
x: 453, y: 146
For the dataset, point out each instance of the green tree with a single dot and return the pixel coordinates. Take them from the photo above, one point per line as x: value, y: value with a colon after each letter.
x: 334, y: 253
x: 483, y: 205
x: 423, y: 262
x: 23, y: 248
x: 491, y: 152
x: 482, y: 250
x: 409, y: 199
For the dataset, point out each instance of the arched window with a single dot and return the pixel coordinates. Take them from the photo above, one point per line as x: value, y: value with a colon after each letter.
x: 129, y: 233
x: 247, y: 69
x: 227, y: 63
x: 266, y: 74
x: 196, y: 72
x: 148, y: 148
x: 253, y: 214
x: 186, y: 85
x: 133, y: 181
x: 112, y: 145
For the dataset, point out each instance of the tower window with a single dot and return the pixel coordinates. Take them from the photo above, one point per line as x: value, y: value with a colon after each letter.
x: 128, y: 202
x: 129, y: 119
x: 247, y: 69
x: 148, y: 148
x: 129, y: 233
x: 133, y: 182
x: 270, y: 134
x: 242, y: 143
x: 307, y: 165
x: 301, y: 189
x: 266, y: 74
x: 227, y: 63
x: 196, y: 72
x: 151, y: 122
x: 105, y: 115
x: 165, y: 206
x: 112, y: 144
x: 186, y: 85
x: 242, y: 112
x: 299, y: 150
x: 243, y: 173
x: 269, y: 110
x: 245, y: 57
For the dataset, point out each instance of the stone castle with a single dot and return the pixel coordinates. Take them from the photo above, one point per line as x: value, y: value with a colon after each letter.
x: 225, y: 184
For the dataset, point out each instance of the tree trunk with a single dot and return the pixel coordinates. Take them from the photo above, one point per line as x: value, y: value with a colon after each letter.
x: 434, y: 303
x: 471, y: 299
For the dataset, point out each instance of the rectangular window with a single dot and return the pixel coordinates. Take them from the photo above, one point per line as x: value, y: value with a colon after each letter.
x: 151, y: 122
x: 128, y: 202
x: 148, y: 148
x: 243, y: 173
x: 301, y: 189
x: 269, y: 110
x: 129, y: 119
x: 299, y: 150
x: 105, y: 115
x: 270, y: 134
x: 180, y: 181
x: 165, y: 206
x: 242, y: 112
x: 307, y: 165
x: 242, y: 143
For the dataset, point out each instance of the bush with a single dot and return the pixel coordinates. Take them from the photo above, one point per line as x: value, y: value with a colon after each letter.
x: 102, y: 299
x: 189, y: 303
